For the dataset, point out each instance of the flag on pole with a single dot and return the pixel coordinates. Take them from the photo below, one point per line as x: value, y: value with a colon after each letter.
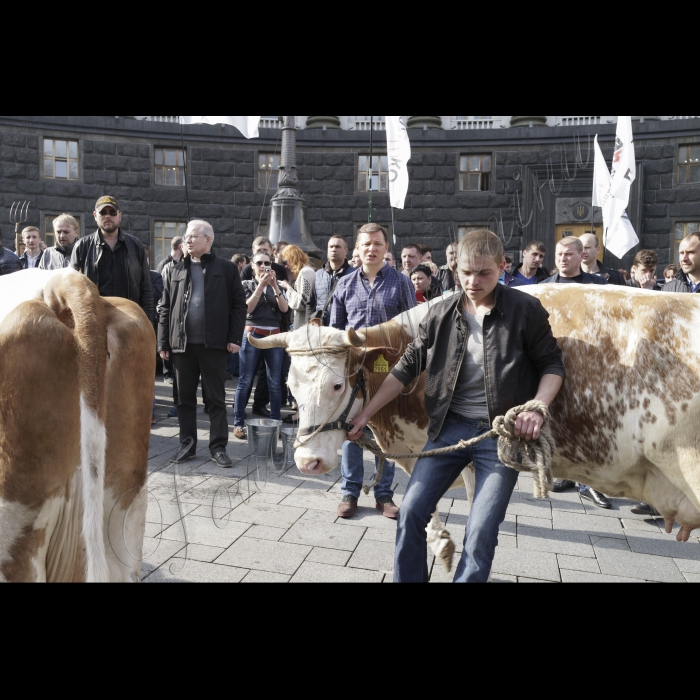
x: 248, y: 126
x: 612, y: 192
x: 399, y: 153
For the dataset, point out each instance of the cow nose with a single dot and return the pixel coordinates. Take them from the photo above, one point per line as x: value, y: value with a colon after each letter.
x: 311, y: 467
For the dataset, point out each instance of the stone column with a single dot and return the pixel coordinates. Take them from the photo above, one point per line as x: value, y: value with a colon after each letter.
x: 420, y: 122
x: 320, y: 122
x: 525, y: 121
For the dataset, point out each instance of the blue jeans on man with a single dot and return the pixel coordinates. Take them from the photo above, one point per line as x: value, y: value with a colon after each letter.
x: 431, y: 478
x: 352, y: 468
x: 249, y: 355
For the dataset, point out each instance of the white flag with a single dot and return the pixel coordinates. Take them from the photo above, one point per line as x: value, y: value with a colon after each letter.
x: 248, y: 126
x: 620, y: 236
x: 399, y: 153
x: 601, y: 177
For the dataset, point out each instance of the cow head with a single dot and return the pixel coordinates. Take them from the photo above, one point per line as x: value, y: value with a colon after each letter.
x: 326, y: 365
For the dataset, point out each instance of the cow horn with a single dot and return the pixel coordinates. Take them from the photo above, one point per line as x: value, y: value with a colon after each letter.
x: 357, y: 340
x: 272, y: 341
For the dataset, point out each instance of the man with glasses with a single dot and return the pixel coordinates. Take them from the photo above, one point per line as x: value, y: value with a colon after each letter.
x: 201, y: 319
x: 115, y: 261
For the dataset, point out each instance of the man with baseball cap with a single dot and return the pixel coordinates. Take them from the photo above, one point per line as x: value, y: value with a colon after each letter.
x: 115, y: 261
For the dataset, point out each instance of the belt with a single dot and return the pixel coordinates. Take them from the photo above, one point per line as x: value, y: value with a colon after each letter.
x: 260, y: 331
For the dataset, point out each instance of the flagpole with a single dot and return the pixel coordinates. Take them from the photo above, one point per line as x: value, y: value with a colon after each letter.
x: 184, y: 170
x: 371, y: 168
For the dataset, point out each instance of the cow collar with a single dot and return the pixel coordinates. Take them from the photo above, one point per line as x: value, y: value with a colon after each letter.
x: 341, y: 423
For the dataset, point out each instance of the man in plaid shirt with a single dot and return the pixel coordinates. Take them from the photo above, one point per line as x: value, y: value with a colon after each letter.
x: 372, y: 294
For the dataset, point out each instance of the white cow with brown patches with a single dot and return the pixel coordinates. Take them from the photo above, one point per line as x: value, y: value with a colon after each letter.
x: 627, y: 421
x: 76, y: 378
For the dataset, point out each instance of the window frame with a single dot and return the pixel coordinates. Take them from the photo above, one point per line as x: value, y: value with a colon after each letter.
x: 164, y: 167
x: 466, y: 173
x: 68, y: 160
x: 675, y: 256
x: 268, y: 173
x: 155, y: 261
x: 687, y: 165
x: 380, y: 173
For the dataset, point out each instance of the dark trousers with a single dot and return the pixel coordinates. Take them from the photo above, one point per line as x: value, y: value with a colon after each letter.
x: 211, y: 364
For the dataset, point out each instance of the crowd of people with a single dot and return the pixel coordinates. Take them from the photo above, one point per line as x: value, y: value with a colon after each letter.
x: 205, y: 307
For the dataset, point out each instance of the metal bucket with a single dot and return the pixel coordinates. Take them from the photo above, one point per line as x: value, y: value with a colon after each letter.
x: 289, y: 436
x: 263, y: 436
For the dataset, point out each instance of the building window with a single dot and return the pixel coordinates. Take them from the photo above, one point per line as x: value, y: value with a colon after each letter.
x: 682, y: 230
x: 475, y: 173
x: 268, y: 171
x: 164, y: 233
x: 61, y: 159
x: 366, y: 123
x: 170, y: 167
x: 688, y: 164
x: 49, y: 236
x: 377, y: 176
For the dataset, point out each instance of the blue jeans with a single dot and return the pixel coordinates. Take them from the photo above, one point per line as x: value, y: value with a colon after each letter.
x: 352, y: 467
x: 248, y: 362
x: 431, y: 478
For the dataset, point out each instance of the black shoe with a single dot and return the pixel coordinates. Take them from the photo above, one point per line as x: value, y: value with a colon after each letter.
x: 223, y: 460
x: 262, y: 412
x: 187, y: 451
x: 563, y: 485
x: 597, y: 498
x: 172, y: 413
x: 646, y: 509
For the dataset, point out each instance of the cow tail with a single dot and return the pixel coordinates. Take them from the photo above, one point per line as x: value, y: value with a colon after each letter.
x: 76, y: 302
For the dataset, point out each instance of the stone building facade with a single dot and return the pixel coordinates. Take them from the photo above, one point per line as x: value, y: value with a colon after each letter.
x: 532, y: 180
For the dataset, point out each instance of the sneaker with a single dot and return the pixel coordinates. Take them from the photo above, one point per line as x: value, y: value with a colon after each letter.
x: 223, y: 460
x: 347, y: 507
x: 387, y: 507
x: 239, y: 433
x: 172, y: 413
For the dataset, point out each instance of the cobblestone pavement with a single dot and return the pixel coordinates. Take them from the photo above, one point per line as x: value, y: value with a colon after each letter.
x: 244, y: 526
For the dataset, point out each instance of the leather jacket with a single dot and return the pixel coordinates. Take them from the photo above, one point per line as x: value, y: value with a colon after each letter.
x: 519, y: 349
x: 86, y: 259
x: 9, y: 262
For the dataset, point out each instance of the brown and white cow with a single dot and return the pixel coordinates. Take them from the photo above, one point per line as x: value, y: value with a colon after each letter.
x: 76, y: 383
x: 627, y: 421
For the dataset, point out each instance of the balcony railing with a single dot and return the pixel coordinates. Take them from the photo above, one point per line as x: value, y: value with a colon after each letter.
x: 378, y: 125
x: 576, y: 121
x: 473, y: 123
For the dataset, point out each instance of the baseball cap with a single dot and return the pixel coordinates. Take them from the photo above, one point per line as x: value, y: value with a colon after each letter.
x: 106, y: 202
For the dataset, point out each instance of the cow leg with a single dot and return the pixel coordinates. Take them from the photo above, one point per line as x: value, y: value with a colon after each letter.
x: 125, y: 522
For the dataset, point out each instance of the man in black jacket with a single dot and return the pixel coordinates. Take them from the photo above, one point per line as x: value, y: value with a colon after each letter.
x: 114, y: 260
x: 590, y: 263
x: 687, y: 280
x: 202, y: 318
x: 9, y: 262
x: 484, y: 352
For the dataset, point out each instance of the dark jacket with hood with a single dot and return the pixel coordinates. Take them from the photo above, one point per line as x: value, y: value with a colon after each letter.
x: 680, y: 283
x: 9, y: 262
x: 519, y: 349
x: 225, y: 307
x: 86, y: 259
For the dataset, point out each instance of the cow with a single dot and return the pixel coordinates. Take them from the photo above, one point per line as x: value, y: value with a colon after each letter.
x: 76, y: 383
x: 625, y: 422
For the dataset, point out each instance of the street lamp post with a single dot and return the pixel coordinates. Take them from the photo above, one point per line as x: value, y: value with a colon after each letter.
x: 288, y: 216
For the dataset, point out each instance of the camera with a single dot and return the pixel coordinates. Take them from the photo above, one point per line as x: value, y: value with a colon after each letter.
x: 267, y: 268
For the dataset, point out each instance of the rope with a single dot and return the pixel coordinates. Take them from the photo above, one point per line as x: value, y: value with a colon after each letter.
x: 535, y: 456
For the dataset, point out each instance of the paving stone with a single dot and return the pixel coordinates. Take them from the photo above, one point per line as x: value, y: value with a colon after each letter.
x: 220, y: 515
x: 315, y: 500
x: 504, y: 542
x: 610, y: 543
x: 200, y: 552
x: 568, y: 501
x: 377, y: 556
x: 266, y: 514
x: 267, y: 497
x: 640, y: 566
x: 323, y: 516
x: 265, y: 577
x: 503, y: 578
x: 376, y: 535
x: 641, y: 525
x: 578, y: 563
x: 558, y: 541
x: 533, y: 507
x: 590, y: 524
x: 264, y: 532
x: 311, y: 572
x: 327, y: 535
x: 621, y: 508
x: 692, y: 578
x: 521, y: 562
x: 195, y: 572
x: 157, y: 551
x: 663, y: 545
x: 206, y: 531
x: 369, y: 517
x: 568, y: 576
x: 263, y: 555
x: 335, y: 557
x: 534, y: 522
x: 525, y: 579
x: 153, y: 529
x: 687, y: 566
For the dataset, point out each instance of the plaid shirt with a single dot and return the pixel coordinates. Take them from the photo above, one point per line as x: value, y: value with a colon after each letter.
x: 357, y: 305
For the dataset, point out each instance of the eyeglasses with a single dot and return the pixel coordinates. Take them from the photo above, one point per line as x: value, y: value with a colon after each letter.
x: 193, y: 238
x: 259, y: 263
x: 107, y: 212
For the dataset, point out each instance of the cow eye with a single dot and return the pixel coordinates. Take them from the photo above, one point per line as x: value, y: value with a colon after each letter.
x: 337, y: 387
